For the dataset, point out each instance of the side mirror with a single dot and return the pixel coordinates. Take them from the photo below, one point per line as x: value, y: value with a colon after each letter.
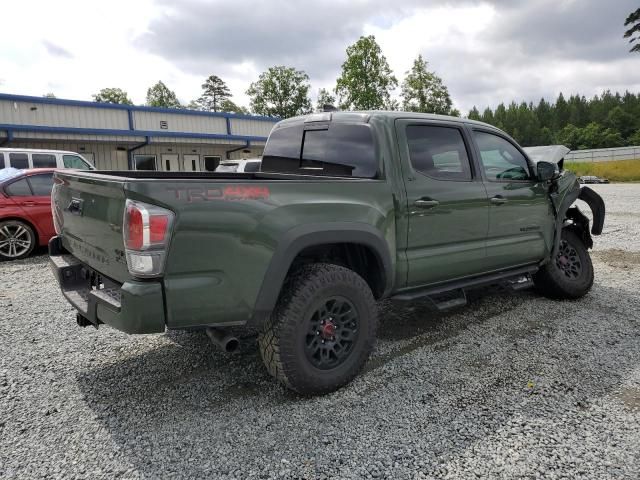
x: 547, y: 171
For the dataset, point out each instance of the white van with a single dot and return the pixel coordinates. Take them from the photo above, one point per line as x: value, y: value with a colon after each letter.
x: 22, y: 158
x: 240, y: 166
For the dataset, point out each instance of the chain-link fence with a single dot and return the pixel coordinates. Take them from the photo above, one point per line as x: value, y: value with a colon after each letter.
x: 603, y: 154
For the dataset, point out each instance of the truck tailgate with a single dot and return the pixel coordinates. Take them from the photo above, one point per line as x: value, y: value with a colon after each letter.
x: 90, y: 215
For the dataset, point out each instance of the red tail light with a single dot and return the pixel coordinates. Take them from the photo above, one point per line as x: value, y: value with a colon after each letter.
x: 146, y: 230
x: 133, y: 221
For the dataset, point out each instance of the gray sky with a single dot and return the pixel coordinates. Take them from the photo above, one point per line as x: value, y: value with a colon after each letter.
x: 485, y: 51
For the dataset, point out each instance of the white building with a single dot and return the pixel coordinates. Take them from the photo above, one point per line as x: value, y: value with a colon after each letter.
x: 122, y: 137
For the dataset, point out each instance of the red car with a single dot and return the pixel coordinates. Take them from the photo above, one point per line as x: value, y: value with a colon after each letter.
x: 25, y: 211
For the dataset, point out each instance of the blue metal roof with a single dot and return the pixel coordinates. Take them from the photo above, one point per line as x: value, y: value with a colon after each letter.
x: 83, y: 103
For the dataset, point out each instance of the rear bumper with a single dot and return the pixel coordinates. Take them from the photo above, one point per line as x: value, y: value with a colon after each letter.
x: 132, y: 307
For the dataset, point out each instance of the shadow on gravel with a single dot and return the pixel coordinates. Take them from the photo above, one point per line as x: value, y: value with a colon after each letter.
x: 186, y: 393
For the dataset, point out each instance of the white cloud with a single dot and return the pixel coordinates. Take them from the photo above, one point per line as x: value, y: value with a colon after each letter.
x: 486, y: 51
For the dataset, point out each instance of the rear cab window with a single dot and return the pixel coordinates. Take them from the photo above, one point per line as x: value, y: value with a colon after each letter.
x: 333, y: 149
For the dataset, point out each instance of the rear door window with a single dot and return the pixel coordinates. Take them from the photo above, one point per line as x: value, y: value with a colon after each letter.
x: 19, y: 188
x: 19, y: 160
x: 43, y: 160
x: 338, y: 150
x: 41, y: 184
x: 438, y: 152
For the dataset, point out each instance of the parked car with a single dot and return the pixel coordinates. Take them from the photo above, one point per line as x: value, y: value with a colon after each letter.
x: 23, y: 158
x: 370, y: 205
x: 592, y: 179
x: 239, y: 166
x: 25, y: 211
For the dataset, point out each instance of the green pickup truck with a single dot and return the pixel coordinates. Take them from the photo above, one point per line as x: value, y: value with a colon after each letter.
x: 348, y: 208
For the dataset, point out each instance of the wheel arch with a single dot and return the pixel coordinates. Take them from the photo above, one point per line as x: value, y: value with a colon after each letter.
x: 311, y: 238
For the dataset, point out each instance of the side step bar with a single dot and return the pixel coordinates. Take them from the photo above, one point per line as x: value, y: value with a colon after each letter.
x: 452, y: 294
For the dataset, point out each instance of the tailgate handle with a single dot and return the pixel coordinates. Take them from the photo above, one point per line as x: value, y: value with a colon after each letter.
x: 75, y: 206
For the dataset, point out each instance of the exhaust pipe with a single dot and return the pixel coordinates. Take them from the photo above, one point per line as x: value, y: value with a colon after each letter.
x: 225, y: 341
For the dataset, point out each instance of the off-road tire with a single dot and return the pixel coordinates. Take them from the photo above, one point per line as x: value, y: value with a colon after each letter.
x: 22, y: 233
x: 551, y: 281
x: 283, y: 340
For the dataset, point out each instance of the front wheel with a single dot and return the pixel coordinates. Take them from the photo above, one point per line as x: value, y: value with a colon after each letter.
x: 17, y: 240
x: 322, y: 330
x: 570, y: 274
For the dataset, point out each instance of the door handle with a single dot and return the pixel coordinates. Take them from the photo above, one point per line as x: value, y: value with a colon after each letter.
x: 499, y: 200
x: 426, y: 203
x: 28, y: 204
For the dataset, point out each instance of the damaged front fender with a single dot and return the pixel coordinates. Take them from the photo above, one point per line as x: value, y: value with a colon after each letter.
x: 564, y: 192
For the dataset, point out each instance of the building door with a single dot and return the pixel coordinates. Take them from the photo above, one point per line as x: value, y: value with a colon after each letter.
x: 170, y: 162
x: 191, y: 163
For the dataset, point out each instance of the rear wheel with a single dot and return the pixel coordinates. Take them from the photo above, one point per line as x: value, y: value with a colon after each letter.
x: 17, y: 240
x: 322, y: 331
x: 570, y: 274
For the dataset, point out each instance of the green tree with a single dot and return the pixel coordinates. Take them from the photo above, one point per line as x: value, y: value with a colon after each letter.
x: 545, y: 137
x: 620, y: 121
x: 280, y: 92
x: 366, y: 80
x: 112, y: 95
x: 214, y: 92
x: 423, y: 91
x: 229, y: 107
x: 569, y: 136
x: 560, y: 113
x: 474, y: 114
x: 633, y: 22
x: 160, y: 96
x: 634, y: 139
x: 324, y: 98
x: 49, y: 95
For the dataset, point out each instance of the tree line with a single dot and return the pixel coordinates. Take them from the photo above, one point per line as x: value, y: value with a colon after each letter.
x: 366, y: 82
x: 606, y: 120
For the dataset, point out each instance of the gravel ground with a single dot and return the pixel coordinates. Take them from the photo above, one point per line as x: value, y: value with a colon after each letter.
x: 511, y: 386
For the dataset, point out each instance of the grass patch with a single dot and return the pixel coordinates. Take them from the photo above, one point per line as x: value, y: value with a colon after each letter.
x: 618, y: 171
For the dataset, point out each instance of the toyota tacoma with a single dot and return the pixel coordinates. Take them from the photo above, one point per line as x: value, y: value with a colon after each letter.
x: 347, y: 209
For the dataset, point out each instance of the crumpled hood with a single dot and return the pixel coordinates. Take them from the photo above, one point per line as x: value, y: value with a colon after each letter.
x: 547, y: 153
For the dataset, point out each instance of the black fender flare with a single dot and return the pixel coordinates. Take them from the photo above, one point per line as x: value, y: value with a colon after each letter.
x: 297, y: 239
x: 580, y: 221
